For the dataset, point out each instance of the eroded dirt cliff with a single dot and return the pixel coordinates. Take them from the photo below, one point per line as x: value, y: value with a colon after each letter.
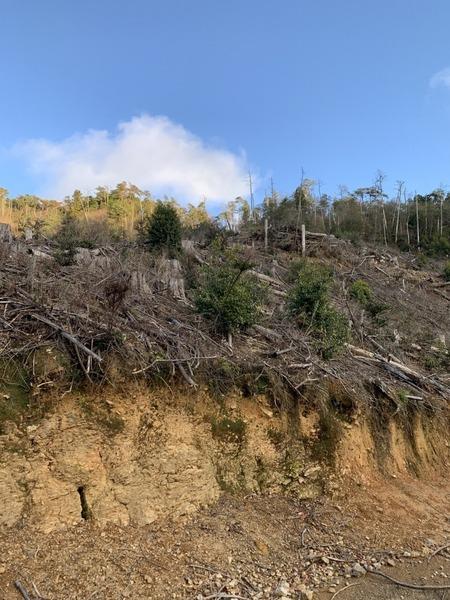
x: 133, y: 457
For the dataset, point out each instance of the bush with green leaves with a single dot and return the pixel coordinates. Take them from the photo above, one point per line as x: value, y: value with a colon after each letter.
x: 360, y: 290
x: 68, y: 238
x: 228, y: 294
x: 362, y: 293
x: 309, y: 301
x: 333, y: 329
x: 310, y: 292
x: 164, y: 230
x: 447, y: 271
x: 438, y: 246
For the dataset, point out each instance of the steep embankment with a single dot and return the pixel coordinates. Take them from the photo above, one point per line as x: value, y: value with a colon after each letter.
x: 136, y: 455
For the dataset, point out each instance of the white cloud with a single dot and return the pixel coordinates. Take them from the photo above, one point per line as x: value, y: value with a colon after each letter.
x: 154, y: 153
x: 441, y: 78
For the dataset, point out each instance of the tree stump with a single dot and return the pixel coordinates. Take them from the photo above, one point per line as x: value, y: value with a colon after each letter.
x: 5, y: 233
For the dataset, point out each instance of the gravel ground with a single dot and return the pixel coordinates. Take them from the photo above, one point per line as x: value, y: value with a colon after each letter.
x: 252, y: 547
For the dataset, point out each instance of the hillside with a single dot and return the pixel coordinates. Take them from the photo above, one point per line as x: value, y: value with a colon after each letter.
x: 165, y: 456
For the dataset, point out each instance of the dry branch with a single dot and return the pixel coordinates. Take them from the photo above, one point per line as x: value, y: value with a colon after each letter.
x: 67, y: 336
x: 413, y: 586
x: 22, y: 590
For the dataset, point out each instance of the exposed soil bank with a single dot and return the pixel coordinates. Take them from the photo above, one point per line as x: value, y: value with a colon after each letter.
x: 135, y: 457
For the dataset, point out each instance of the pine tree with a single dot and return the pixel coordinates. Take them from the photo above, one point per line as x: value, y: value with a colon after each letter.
x: 164, y: 230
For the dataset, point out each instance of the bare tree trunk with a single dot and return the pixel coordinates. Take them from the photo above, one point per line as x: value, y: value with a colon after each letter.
x: 299, y: 211
x: 417, y: 220
x: 407, y: 223
x: 399, y: 195
x: 252, y: 199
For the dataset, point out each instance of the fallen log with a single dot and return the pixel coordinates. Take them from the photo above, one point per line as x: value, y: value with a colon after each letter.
x: 399, y: 370
x: 314, y: 234
x: 269, y: 334
x: 266, y: 278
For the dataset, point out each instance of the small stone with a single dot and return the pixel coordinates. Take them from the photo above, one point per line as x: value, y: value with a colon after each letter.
x: 311, y: 470
x: 306, y: 593
x: 358, y: 570
x: 282, y: 589
x: 2, y: 570
x: 390, y: 562
x: 407, y: 554
x: 325, y: 560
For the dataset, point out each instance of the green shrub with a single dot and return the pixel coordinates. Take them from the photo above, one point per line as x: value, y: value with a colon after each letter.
x: 438, y: 246
x: 310, y: 292
x: 164, y: 230
x: 422, y: 261
x: 361, y: 292
x: 68, y: 240
x: 309, y: 300
x: 376, y: 309
x: 296, y: 267
x: 228, y: 295
x: 447, y: 271
x: 402, y: 397
x: 438, y: 360
x: 334, y: 331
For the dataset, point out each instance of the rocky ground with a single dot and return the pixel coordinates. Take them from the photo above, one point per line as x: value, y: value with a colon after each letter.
x: 251, y: 547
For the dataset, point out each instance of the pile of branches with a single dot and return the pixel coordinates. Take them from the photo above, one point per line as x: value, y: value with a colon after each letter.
x: 120, y: 310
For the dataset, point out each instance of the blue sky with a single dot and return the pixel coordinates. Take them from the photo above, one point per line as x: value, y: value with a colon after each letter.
x: 205, y: 89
